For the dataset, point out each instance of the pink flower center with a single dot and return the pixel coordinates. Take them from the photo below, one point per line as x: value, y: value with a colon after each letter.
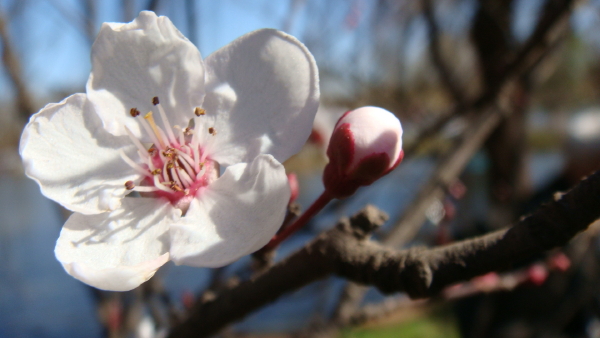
x: 175, y: 166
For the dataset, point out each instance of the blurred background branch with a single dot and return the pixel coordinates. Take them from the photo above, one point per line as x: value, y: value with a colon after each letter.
x: 499, y: 104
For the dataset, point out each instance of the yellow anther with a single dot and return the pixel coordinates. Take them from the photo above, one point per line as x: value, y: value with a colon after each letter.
x: 154, y: 127
x: 175, y: 187
x: 199, y: 111
x: 169, y: 152
x: 170, y: 165
x: 156, y: 171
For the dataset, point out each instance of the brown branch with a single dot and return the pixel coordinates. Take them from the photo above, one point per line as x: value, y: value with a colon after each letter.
x: 446, y: 173
x: 24, y: 101
x: 532, y: 50
x: 411, y: 220
x: 529, y: 56
x: 346, y: 251
x: 436, y: 55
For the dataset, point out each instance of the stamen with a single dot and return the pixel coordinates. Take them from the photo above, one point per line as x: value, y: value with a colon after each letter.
x: 149, y: 131
x: 152, y: 151
x: 129, y: 185
x: 156, y: 171
x: 176, y: 177
x: 212, y: 131
x: 201, y: 171
x: 165, y: 172
x: 181, y: 136
x: 133, y: 164
x: 184, y: 155
x: 160, y: 185
x: 185, y: 177
x: 197, y: 160
x: 186, y: 160
x: 148, y: 117
x: 165, y: 121
x: 142, y: 150
x: 199, y: 111
x: 196, y: 134
x: 169, y: 152
x: 176, y: 187
x: 186, y: 150
x: 145, y: 189
x: 187, y: 166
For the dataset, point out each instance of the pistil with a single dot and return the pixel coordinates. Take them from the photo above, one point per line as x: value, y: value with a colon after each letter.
x: 156, y: 129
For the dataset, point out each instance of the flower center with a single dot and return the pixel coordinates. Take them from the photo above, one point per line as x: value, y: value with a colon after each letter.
x: 174, y: 166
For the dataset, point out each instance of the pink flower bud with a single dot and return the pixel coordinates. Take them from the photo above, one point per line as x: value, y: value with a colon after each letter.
x: 537, y: 274
x: 559, y: 262
x: 366, y: 144
x: 294, y: 187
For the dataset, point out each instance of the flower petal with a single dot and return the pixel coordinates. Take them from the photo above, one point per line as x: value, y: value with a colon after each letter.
x: 134, y: 62
x: 118, y: 250
x: 262, y: 93
x: 234, y: 216
x: 75, y: 162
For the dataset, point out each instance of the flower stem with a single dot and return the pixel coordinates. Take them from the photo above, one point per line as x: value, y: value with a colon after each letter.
x: 317, y: 206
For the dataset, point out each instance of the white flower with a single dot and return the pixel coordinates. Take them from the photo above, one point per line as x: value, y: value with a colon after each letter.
x: 157, y: 120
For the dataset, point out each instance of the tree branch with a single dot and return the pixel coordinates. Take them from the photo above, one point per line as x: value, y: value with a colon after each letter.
x: 24, y: 101
x: 436, y: 55
x: 347, y: 252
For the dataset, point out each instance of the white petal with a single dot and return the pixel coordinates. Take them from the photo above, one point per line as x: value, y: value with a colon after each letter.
x: 73, y: 159
x: 134, y: 62
x: 262, y: 93
x: 118, y: 250
x: 236, y: 215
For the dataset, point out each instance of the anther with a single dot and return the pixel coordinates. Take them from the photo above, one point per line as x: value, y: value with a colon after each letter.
x: 175, y: 187
x: 134, y: 112
x: 156, y: 171
x: 155, y: 100
x: 212, y: 131
x: 169, y: 152
x: 199, y: 111
x: 170, y: 165
x: 188, y: 131
x: 129, y: 185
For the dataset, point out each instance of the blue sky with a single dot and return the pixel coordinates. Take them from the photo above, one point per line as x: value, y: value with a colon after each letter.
x: 55, y: 53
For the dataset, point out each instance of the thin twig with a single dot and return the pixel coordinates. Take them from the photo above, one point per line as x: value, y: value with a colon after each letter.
x: 436, y: 55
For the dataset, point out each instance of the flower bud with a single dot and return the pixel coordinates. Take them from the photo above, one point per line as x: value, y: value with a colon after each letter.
x: 294, y: 187
x: 366, y: 144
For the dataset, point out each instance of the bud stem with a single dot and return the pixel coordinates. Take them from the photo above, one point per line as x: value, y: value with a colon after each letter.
x: 317, y: 206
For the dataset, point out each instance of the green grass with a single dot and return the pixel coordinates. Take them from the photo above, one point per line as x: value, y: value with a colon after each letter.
x: 434, y: 326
